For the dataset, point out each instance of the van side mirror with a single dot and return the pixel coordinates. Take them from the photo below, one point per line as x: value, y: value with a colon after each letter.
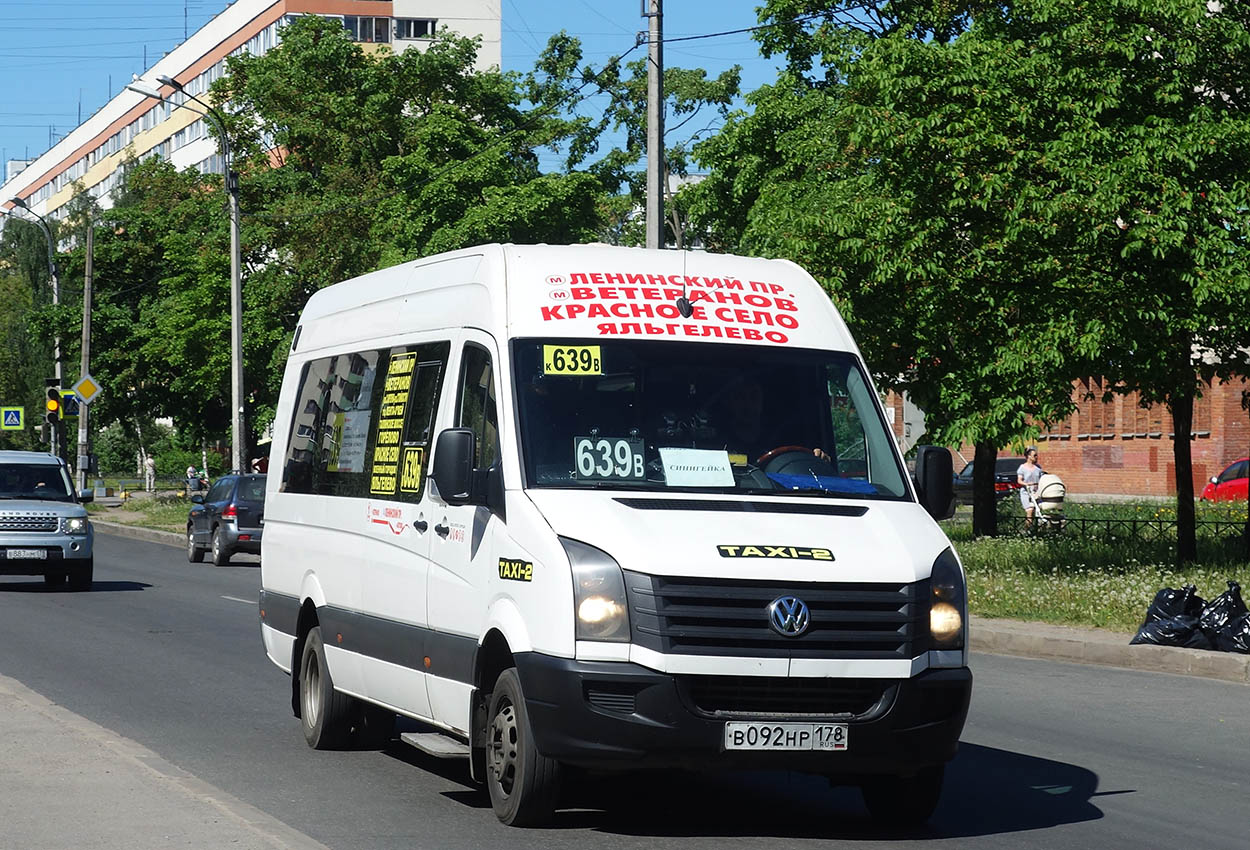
x: 453, y: 465
x: 85, y: 496
x: 934, y: 476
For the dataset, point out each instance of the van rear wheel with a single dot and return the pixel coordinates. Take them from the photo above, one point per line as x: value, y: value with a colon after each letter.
x: 524, y: 785
x: 325, y: 714
x: 904, y: 800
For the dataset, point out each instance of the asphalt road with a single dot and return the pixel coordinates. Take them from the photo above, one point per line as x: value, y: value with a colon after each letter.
x: 1055, y: 755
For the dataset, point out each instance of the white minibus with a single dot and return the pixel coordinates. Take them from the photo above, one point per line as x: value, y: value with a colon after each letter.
x: 609, y: 508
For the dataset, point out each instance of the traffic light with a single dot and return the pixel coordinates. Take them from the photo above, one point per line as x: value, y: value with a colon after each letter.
x: 52, y: 414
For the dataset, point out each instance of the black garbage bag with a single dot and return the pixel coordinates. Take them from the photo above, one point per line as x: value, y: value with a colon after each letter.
x: 1169, y: 603
x: 1222, y: 611
x: 1235, y: 637
x: 1174, y: 631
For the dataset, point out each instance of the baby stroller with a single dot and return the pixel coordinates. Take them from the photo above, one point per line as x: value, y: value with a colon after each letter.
x: 1047, y: 502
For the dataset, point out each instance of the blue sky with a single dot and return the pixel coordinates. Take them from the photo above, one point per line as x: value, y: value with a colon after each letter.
x: 63, y: 58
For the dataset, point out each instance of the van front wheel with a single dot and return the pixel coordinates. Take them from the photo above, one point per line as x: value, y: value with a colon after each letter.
x: 904, y: 800
x: 523, y: 784
x: 325, y: 713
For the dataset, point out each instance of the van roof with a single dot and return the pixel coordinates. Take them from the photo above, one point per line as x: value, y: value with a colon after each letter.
x: 584, y: 291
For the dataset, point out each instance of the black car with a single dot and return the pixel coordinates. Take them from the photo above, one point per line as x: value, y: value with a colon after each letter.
x: 228, y: 519
x: 1004, y: 480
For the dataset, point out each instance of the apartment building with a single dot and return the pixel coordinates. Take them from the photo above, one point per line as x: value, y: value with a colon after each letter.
x: 133, y: 125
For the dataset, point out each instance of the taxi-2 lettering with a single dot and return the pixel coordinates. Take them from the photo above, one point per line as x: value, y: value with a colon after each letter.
x: 516, y: 570
x: 762, y: 551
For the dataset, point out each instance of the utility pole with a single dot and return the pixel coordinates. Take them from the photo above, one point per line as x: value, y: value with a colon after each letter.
x: 83, y: 450
x: 655, y: 122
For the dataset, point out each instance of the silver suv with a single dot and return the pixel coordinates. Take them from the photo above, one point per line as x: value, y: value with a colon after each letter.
x: 44, y: 528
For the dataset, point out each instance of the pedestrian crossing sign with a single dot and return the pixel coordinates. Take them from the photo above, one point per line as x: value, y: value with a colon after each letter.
x: 12, y: 418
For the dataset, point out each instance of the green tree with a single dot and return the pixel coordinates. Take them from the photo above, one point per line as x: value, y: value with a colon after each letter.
x: 352, y: 162
x: 26, y: 329
x: 986, y: 209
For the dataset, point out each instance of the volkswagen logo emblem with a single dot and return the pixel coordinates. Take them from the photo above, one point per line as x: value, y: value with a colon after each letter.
x: 788, y: 616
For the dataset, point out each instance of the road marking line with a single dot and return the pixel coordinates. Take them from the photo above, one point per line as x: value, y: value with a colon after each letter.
x: 237, y: 599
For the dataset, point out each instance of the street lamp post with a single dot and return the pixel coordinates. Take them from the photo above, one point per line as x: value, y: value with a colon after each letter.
x: 238, y: 453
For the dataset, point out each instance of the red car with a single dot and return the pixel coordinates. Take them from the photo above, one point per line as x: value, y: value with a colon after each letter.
x: 1229, y: 485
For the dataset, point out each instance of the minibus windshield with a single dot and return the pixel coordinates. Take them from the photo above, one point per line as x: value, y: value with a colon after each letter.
x: 650, y: 415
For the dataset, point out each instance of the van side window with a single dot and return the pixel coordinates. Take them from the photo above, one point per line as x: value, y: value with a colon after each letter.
x: 477, y: 404
x: 361, y: 423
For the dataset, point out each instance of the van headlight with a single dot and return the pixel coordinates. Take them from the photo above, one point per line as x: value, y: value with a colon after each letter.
x: 600, y: 609
x: 74, y: 525
x: 948, y: 606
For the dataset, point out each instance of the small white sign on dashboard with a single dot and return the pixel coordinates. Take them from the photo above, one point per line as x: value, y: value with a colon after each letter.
x: 696, y: 467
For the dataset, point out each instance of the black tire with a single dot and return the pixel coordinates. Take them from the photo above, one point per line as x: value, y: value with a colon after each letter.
x: 904, y: 800
x: 53, y: 579
x: 325, y: 714
x: 221, y: 553
x: 195, y: 553
x: 524, y: 785
x: 81, y: 575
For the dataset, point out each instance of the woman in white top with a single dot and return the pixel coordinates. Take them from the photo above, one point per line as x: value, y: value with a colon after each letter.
x: 1028, y: 475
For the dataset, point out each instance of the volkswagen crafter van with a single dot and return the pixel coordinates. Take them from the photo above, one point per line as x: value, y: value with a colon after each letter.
x: 612, y: 509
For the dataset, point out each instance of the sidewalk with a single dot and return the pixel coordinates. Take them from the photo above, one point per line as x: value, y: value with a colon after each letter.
x: 72, y: 784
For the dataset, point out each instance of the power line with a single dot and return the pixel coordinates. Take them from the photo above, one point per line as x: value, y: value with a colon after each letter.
x: 801, y: 19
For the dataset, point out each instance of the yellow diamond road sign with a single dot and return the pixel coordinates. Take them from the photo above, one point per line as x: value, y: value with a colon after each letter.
x: 87, y: 388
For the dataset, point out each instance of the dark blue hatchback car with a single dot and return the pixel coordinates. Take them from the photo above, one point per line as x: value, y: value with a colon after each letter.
x: 228, y: 519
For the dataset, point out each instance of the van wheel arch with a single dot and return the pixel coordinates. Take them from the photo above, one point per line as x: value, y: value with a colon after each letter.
x: 304, y: 624
x: 494, y: 655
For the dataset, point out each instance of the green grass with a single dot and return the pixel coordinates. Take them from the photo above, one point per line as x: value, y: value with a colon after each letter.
x: 1097, y: 580
x: 167, y: 513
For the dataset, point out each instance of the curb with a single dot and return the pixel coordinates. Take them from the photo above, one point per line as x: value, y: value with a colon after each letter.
x: 1100, y: 646
x: 997, y: 637
x: 151, y: 535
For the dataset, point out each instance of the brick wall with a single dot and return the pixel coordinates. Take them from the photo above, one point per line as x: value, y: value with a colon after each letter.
x: 1120, y: 448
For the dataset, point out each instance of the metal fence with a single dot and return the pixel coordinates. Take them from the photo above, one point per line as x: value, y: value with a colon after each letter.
x: 1110, y: 529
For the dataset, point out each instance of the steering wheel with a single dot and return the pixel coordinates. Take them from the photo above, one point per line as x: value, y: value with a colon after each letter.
x: 780, y: 450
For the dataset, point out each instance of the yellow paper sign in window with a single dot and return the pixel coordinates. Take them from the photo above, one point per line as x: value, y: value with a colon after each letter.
x: 572, y: 360
x: 410, y: 470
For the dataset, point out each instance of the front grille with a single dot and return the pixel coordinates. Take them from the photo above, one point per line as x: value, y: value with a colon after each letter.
x: 755, y: 696
x: 697, y: 616
x: 29, y: 522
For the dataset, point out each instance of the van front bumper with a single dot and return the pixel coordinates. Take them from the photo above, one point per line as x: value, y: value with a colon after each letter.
x: 616, y: 715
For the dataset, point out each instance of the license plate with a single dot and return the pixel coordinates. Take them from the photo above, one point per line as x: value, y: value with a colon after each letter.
x: 785, y: 736
x: 28, y: 554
